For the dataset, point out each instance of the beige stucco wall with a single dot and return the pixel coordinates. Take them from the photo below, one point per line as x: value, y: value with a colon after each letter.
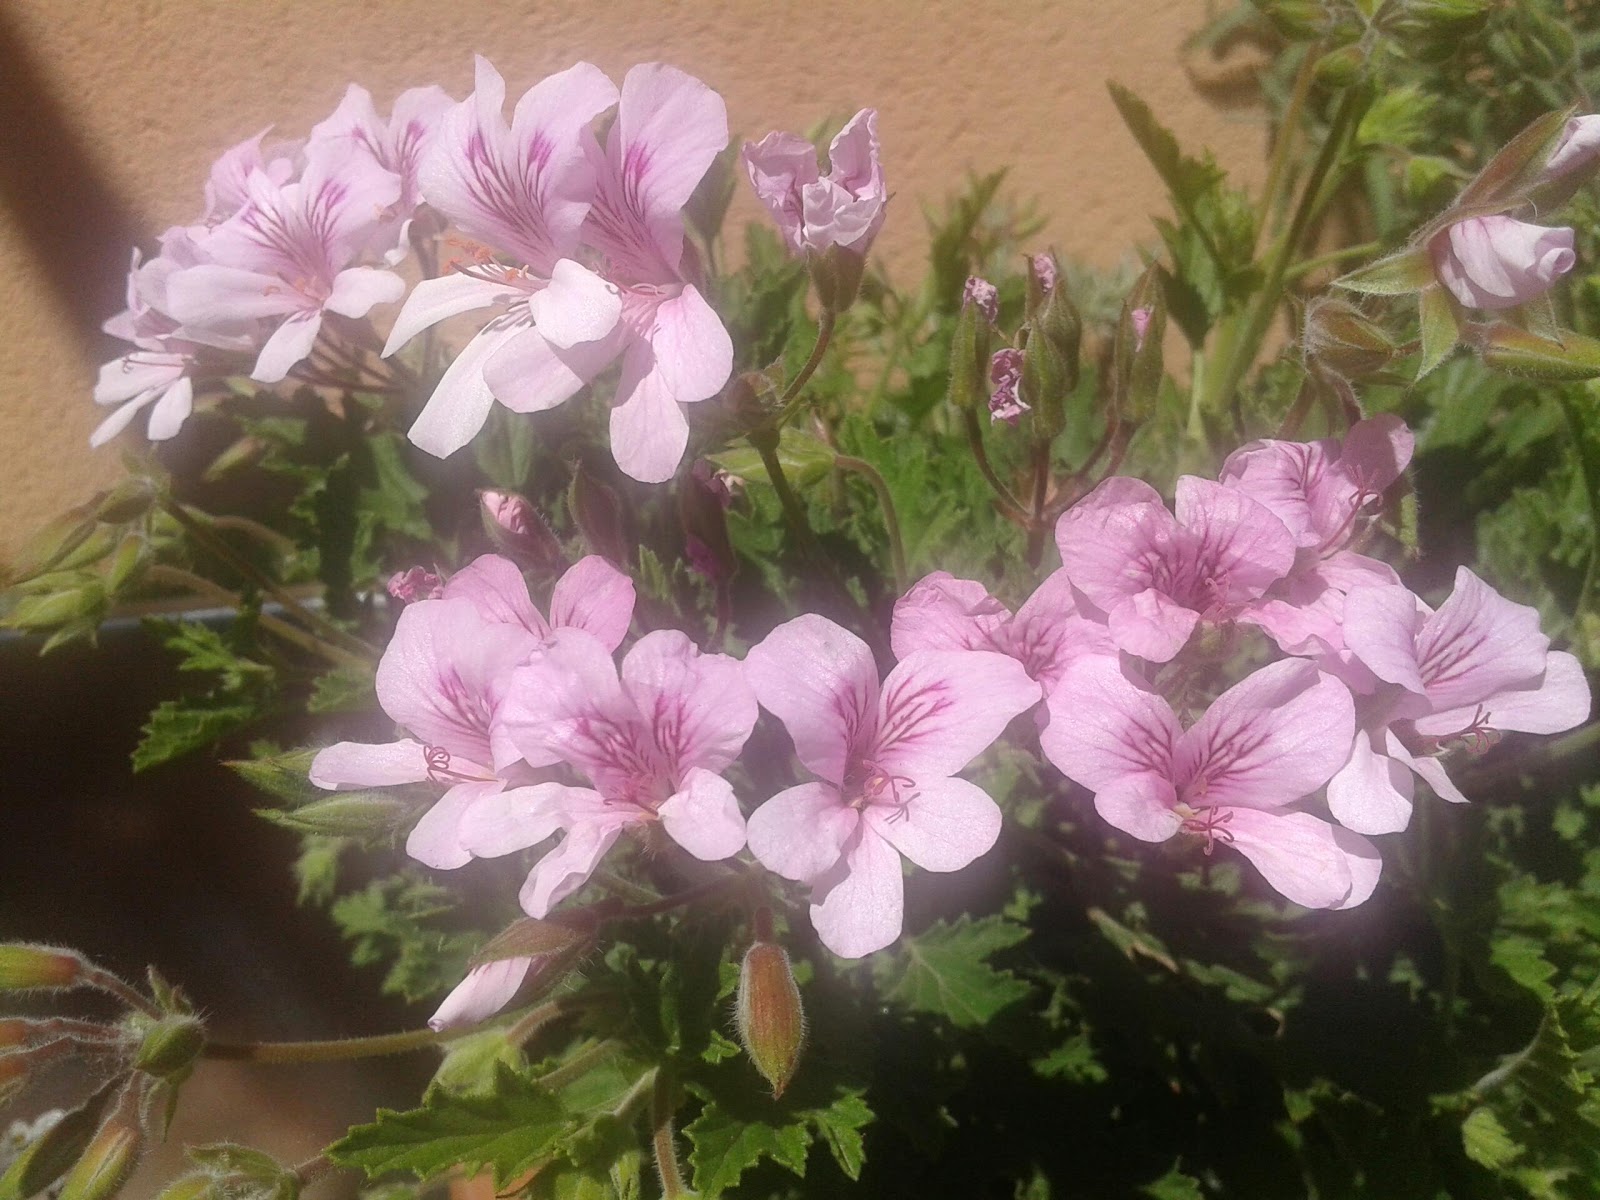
x: 155, y: 88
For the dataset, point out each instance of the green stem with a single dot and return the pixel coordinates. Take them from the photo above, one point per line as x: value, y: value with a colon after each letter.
x: 98, y: 977
x: 891, y: 519
x: 1277, y: 170
x: 198, y: 530
x: 1237, y: 351
x: 1037, y: 526
x: 1008, y: 502
x: 314, y: 1170
x: 791, y: 394
x: 793, y: 511
x: 579, y: 1064
x: 292, y: 634
x: 1589, y: 471
x: 335, y: 1050
x: 663, y: 1104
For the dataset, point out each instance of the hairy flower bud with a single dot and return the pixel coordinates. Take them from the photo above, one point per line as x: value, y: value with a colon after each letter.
x: 415, y: 583
x: 771, y: 1023
x: 703, y: 500
x: 23, y: 967
x: 1005, y: 373
x: 598, y: 512
x: 1050, y: 361
x: 969, y: 344
x: 57, y: 1139
x: 1340, y: 337
x: 169, y: 1046
x: 517, y: 530
x: 106, y: 1163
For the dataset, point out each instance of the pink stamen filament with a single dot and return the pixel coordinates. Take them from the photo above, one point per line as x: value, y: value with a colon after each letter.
x: 1209, y: 825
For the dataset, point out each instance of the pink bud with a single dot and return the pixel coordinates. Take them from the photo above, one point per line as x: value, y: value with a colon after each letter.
x: 1044, y: 271
x: 415, y: 583
x: 1141, y: 322
x: 517, y: 530
x: 1005, y: 373
x: 1499, y: 262
x: 1579, y: 146
x: 982, y: 295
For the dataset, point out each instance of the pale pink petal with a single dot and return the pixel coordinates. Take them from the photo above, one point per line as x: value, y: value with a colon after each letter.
x: 1376, y: 451
x: 700, y: 707
x: 171, y: 411
x: 596, y: 597
x: 1380, y: 628
x: 1281, y: 476
x: 1141, y: 804
x: 1104, y: 726
x: 941, y: 612
x: 820, y: 680
x: 801, y: 832
x: 578, y: 306
x: 134, y: 374
x: 289, y: 344
x: 357, y: 289
x: 460, y: 403
x: 1372, y: 792
x: 209, y: 295
x: 780, y: 165
x: 517, y: 818
x: 692, y: 350
x: 435, y: 300
x: 356, y: 764
x: 567, y: 868
x: 1047, y: 635
x: 1478, y: 644
x: 1433, y: 774
x: 858, y: 906
x: 1111, y: 538
x: 1559, y: 700
x: 1578, y: 146
x: 1151, y: 625
x: 484, y: 992
x: 549, y: 130
x: 436, y: 841
x: 703, y: 816
x: 1274, y: 737
x: 943, y: 825
x: 120, y: 419
x: 1300, y: 855
x: 1496, y: 261
x: 648, y: 430
x: 1245, y: 548
x: 940, y: 709
x: 441, y: 673
x: 498, y: 591
x: 527, y: 374
x: 565, y: 703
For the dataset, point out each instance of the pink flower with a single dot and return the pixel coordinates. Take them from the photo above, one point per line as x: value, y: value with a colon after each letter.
x: 670, y: 127
x: 844, y: 208
x: 653, y: 742
x: 1265, y: 743
x: 524, y: 189
x: 415, y: 583
x: 396, y: 145
x: 1046, y: 635
x: 1156, y: 576
x: 227, y: 187
x: 1499, y: 262
x: 1322, y: 491
x: 286, y: 257
x: 1578, y: 147
x: 1045, y: 271
x: 441, y: 679
x: 886, y: 757
x: 592, y: 596
x: 1458, y: 676
x: 1005, y: 373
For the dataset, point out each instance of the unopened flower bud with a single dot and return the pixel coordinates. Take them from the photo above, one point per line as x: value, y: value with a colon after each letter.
x: 415, y: 583
x: 24, y: 967
x: 703, y: 500
x: 348, y: 814
x: 1140, y: 317
x: 1497, y: 261
x: 1339, y: 336
x: 1043, y: 271
x: 771, y: 1023
x: 598, y: 513
x: 1005, y: 373
x: 969, y: 345
x: 169, y: 1046
x: 56, y: 1142
x: 14, y: 1032
x: 1578, y: 146
x: 198, y: 1186
x: 528, y: 957
x: 128, y: 501
x: 106, y: 1163
x: 1050, y: 361
x: 517, y: 530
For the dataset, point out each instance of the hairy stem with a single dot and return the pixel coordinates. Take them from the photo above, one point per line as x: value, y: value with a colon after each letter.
x: 1011, y: 506
x: 663, y: 1104
x: 334, y: 1050
x: 891, y: 519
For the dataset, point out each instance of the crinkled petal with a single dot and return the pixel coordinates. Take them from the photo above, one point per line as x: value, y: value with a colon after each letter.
x: 801, y: 832
x: 941, y: 612
x: 1242, y: 546
x: 1151, y: 625
x: 567, y: 704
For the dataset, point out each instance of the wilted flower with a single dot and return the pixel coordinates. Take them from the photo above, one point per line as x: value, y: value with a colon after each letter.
x: 1005, y: 374
x: 814, y: 211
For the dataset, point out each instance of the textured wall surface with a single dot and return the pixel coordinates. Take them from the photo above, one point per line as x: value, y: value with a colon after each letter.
x: 112, y: 110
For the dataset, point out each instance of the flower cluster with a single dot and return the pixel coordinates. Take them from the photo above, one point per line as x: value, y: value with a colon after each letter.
x: 536, y: 733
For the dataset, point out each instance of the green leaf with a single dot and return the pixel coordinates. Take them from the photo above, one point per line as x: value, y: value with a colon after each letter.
x: 203, y: 649
x: 840, y: 1125
x: 804, y: 457
x: 1174, y: 1185
x: 179, y: 727
x: 1441, y: 327
x: 344, y: 689
x: 281, y: 774
x: 725, y: 1147
x: 1486, y: 1140
x: 1186, y: 178
x: 509, y: 1131
x: 1397, y: 275
x: 944, y: 971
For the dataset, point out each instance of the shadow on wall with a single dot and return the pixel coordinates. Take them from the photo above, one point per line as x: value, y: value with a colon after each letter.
x: 76, y: 224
